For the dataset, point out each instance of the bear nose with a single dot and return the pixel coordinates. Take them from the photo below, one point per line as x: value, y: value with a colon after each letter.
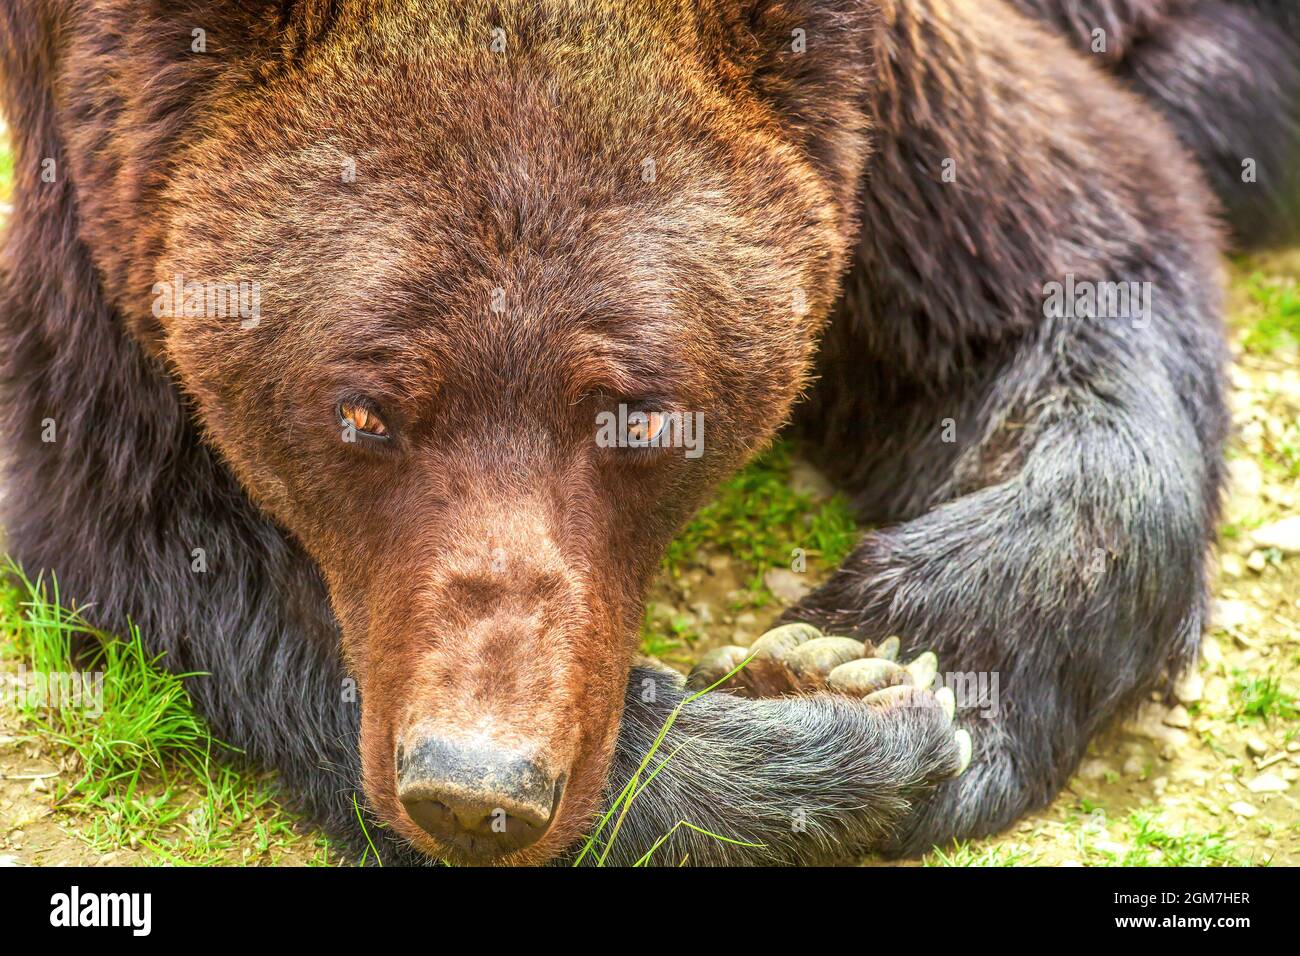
x: 481, y: 801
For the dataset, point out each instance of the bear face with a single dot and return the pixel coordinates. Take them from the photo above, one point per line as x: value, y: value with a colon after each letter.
x: 465, y: 264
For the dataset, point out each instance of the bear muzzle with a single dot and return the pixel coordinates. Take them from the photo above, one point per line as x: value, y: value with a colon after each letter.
x: 479, y: 801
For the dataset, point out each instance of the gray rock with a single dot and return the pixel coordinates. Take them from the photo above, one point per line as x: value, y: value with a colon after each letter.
x: 786, y: 585
x: 1095, y: 769
x: 1228, y: 614
x: 1191, y: 688
x: 1211, y: 652
x: 807, y: 480
x: 1267, y: 783
x: 1231, y: 565
x: 1135, y: 767
x: 1246, y: 479
x: 1283, y: 535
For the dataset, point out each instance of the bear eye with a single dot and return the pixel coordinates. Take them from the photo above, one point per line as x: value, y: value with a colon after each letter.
x: 357, y: 419
x: 644, y: 429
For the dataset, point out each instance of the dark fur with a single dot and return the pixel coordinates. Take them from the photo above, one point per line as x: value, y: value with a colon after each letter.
x: 1226, y: 74
x: 1073, y: 436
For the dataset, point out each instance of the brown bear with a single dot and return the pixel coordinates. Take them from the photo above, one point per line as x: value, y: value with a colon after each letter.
x: 311, y: 310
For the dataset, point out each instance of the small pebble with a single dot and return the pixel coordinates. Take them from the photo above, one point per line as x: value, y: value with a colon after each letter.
x: 1095, y: 769
x: 1211, y: 652
x: 718, y: 564
x: 787, y: 586
x: 1267, y: 783
x: 1228, y: 614
x: 1283, y: 535
x: 1191, y: 688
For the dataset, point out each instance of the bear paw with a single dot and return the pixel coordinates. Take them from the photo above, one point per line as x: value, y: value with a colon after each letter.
x: 798, y: 659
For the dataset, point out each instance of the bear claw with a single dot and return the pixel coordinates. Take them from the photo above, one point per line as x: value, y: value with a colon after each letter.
x: 965, y: 748
x: 948, y: 701
x: 799, y: 659
x: 923, y: 669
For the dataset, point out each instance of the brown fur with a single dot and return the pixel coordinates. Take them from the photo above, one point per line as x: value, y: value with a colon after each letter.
x: 487, y: 565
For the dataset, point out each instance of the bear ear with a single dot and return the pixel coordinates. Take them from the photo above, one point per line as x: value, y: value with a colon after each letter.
x: 812, y: 61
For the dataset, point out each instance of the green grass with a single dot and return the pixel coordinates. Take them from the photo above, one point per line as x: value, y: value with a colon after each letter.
x: 758, y: 520
x: 1262, y: 698
x: 1279, y: 325
x: 1153, y: 845
x: 147, y: 720
x: 146, y: 769
x: 1142, y: 839
x: 968, y: 854
x: 1285, y: 456
x: 679, y: 637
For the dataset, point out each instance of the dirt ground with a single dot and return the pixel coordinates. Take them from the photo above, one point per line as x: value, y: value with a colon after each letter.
x: 1210, y: 780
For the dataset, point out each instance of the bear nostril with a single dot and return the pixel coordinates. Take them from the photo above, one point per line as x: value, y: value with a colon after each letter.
x: 479, y: 801
x: 433, y: 816
x: 488, y: 830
